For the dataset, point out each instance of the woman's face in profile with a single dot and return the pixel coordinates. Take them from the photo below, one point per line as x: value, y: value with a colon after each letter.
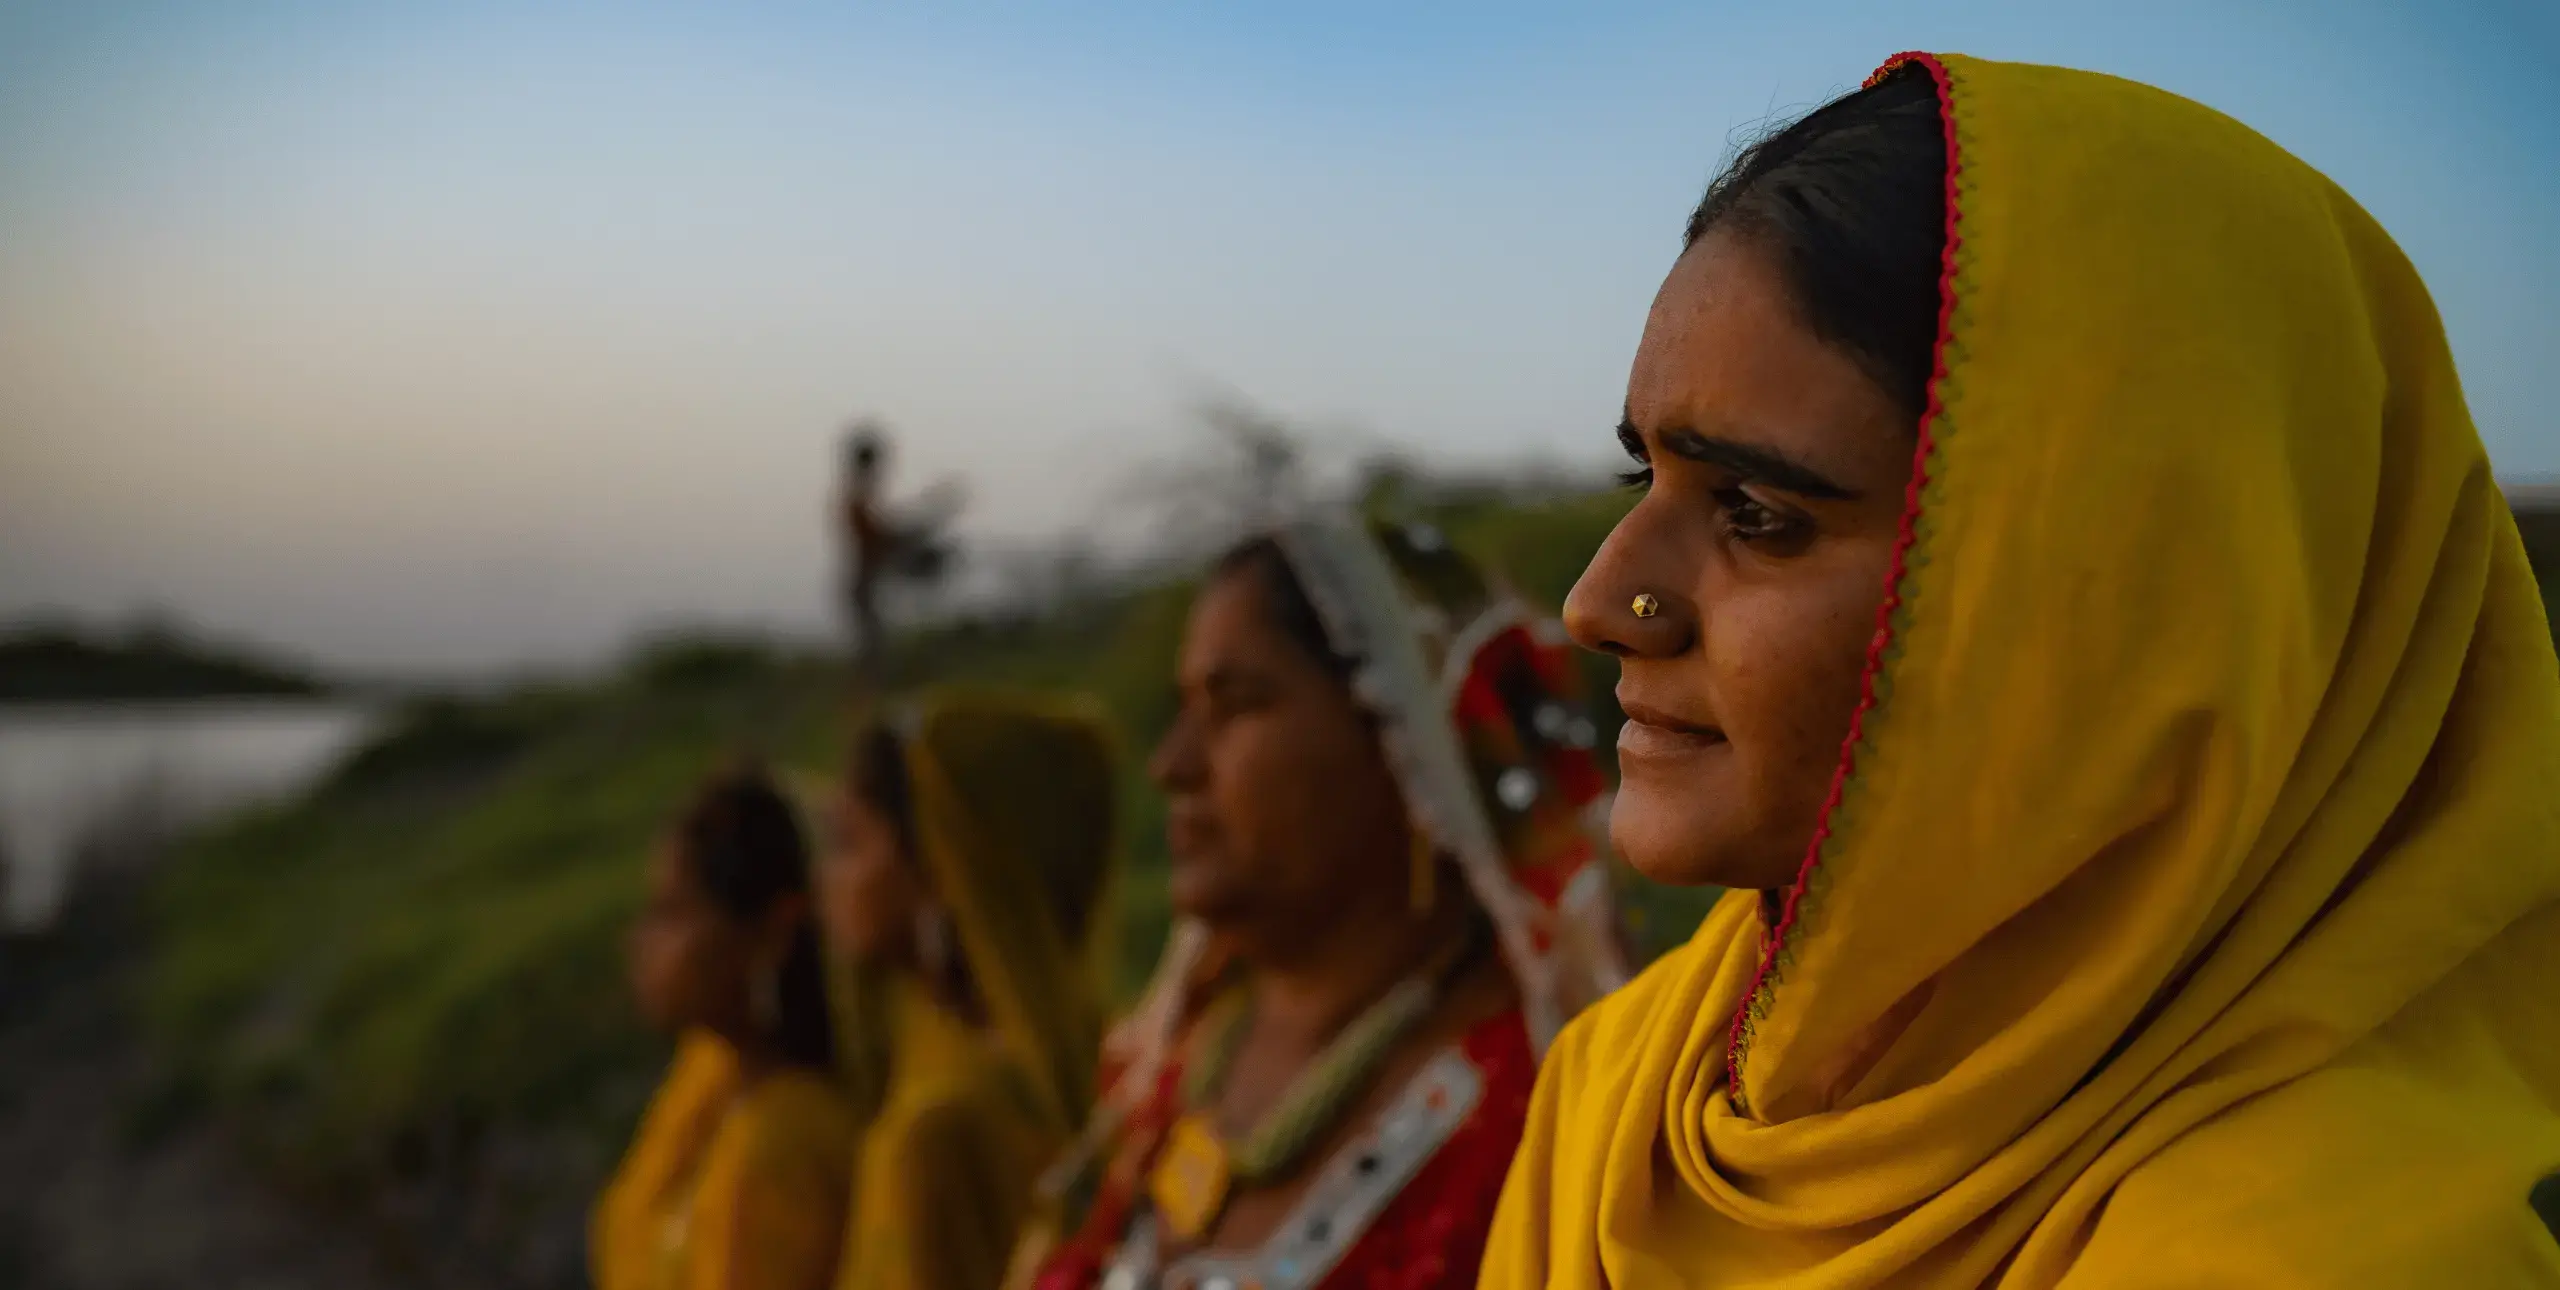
x: 868, y: 895
x: 1774, y: 470
x: 688, y: 959
x: 1279, y: 805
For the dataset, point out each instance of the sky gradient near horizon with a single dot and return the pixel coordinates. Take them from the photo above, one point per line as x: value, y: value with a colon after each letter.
x: 485, y: 335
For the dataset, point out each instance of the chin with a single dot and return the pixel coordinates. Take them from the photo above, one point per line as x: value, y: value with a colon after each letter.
x: 1681, y: 843
x: 1193, y: 893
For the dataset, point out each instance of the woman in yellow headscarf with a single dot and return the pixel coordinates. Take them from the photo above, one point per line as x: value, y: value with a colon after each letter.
x: 2073, y: 610
x: 737, y: 1177
x: 964, y: 877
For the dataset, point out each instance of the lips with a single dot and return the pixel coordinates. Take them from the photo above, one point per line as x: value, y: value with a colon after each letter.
x: 1188, y: 835
x: 1651, y: 732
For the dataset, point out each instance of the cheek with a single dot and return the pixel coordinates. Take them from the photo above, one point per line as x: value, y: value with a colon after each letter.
x: 839, y: 898
x: 1792, y: 660
x: 874, y: 900
x: 659, y: 961
x: 1331, y: 802
x: 1252, y: 781
x: 1275, y: 782
x: 1789, y: 662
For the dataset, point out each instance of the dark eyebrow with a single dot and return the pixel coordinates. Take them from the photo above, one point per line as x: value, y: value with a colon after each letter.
x: 1751, y: 462
x: 1227, y: 678
x: 1631, y: 440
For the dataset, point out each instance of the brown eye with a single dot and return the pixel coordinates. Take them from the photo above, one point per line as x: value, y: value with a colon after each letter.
x: 1225, y: 704
x: 1750, y: 520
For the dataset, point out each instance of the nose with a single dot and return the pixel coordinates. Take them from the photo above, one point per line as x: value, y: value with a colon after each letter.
x: 1176, y: 764
x: 1628, y: 601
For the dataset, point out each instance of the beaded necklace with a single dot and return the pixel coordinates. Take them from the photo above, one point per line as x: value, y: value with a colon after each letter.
x: 1199, y: 1169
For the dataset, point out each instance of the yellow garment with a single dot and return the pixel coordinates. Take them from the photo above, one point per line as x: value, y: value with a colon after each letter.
x: 946, y: 1171
x: 860, y: 1005
x: 1012, y: 801
x: 727, y: 1187
x: 2207, y: 818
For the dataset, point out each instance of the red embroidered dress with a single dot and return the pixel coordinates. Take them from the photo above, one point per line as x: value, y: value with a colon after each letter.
x: 1405, y: 1205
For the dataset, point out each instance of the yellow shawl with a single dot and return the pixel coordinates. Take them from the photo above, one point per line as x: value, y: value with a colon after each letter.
x: 2210, y: 791
x: 1012, y: 800
x: 727, y: 1187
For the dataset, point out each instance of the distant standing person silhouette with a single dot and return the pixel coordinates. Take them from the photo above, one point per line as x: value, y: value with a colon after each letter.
x: 867, y: 540
x: 881, y: 543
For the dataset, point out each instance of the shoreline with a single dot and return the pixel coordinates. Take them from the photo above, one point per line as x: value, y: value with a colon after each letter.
x: 94, y: 1196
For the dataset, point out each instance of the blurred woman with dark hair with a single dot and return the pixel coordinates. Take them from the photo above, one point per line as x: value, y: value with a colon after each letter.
x: 738, y: 1175
x: 1379, y: 783
x: 969, y: 853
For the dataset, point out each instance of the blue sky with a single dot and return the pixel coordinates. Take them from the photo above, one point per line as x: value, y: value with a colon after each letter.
x: 462, y: 336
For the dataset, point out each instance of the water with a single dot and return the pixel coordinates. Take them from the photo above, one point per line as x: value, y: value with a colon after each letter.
x: 68, y: 773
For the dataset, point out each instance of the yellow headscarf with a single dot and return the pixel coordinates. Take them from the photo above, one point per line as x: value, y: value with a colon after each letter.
x: 1012, y: 800
x: 2204, y: 818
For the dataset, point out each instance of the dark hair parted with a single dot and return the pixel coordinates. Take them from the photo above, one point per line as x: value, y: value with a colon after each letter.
x: 1285, y: 599
x: 1851, y: 199
x: 740, y: 839
x: 877, y: 773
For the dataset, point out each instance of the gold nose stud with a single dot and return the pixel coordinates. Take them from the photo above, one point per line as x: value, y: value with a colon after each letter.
x: 1646, y: 606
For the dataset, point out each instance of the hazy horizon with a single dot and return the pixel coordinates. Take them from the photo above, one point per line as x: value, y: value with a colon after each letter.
x: 486, y: 337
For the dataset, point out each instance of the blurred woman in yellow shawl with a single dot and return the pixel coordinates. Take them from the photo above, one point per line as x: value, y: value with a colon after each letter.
x: 737, y: 1177
x: 2072, y: 609
x: 964, y: 877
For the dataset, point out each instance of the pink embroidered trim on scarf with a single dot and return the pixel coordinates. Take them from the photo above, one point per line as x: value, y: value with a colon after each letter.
x: 1735, y: 1041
